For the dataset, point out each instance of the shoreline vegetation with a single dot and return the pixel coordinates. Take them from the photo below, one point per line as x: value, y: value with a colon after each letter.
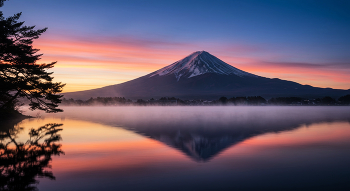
x: 233, y: 101
x: 22, y: 77
x: 9, y: 120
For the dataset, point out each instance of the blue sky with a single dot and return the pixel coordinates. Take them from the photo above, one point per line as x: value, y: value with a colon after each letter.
x: 300, y: 34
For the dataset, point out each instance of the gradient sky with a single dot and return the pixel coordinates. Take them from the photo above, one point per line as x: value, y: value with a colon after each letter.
x: 105, y: 42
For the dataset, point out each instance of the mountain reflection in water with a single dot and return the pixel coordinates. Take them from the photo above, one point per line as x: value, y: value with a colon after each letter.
x: 201, y: 148
x: 22, y: 162
x: 203, y: 132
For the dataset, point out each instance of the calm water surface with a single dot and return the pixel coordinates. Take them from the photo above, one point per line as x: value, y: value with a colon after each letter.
x: 198, y: 148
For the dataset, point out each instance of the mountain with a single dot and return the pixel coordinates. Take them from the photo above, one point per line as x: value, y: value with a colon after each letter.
x: 199, y: 63
x: 202, y: 133
x: 203, y: 76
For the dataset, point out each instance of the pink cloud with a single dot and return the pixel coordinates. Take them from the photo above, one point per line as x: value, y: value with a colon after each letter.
x: 141, y: 56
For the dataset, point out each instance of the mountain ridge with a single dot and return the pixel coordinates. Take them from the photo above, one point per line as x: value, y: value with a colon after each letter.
x: 198, y: 63
x: 204, y: 76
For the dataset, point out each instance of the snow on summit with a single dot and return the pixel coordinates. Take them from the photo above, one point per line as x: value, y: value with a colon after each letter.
x: 198, y: 63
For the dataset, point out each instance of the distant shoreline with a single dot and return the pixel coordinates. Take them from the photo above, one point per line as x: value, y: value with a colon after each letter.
x: 222, y: 101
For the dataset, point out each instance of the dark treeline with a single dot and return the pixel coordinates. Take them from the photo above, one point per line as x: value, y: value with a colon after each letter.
x: 250, y: 100
x: 98, y: 101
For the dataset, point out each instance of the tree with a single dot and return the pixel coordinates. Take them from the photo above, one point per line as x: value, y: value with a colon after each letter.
x: 344, y: 99
x: 328, y: 100
x: 20, y: 74
x: 22, y: 162
x: 238, y: 100
x: 256, y: 100
x: 223, y: 100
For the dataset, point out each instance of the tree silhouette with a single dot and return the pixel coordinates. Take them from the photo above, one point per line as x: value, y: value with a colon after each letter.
x: 344, y: 99
x: 20, y: 74
x: 238, y: 100
x: 223, y: 100
x: 21, y: 163
x: 327, y: 100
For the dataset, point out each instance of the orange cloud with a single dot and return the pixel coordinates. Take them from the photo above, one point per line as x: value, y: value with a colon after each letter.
x: 311, y: 74
x: 101, y: 62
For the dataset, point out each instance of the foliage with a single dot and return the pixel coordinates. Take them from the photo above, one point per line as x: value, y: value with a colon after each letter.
x: 20, y: 74
x: 345, y: 99
x: 21, y: 163
x: 250, y: 100
x: 327, y: 100
x: 223, y: 100
x: 286, y: 100
x: 98, y: 101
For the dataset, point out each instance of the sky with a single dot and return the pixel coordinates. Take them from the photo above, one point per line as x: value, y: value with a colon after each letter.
x: 106, y: 42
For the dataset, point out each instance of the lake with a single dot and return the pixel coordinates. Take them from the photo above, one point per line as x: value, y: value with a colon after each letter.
x: 195, y: 148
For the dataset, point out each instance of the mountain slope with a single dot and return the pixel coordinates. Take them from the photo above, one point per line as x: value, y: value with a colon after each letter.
x: 199, y: 63
x: 203, y: 76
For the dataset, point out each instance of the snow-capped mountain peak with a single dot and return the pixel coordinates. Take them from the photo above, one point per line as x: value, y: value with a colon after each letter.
x: 198, y: 63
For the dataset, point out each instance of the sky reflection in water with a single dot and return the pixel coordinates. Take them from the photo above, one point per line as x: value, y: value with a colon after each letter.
x: 200, y: 148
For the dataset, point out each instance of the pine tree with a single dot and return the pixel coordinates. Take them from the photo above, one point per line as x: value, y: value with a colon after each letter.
x: 20, y: 74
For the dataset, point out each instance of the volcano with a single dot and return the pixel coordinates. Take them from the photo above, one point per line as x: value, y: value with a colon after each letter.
x: 204, y: 76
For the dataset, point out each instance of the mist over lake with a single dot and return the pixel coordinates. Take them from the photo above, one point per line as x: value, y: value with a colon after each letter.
x: 174, y: 95
x: 199, y: 148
